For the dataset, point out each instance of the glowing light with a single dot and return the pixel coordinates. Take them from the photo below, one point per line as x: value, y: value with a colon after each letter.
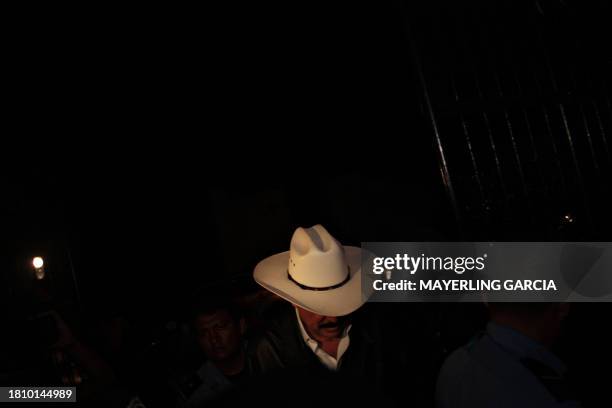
x: 38, y: 262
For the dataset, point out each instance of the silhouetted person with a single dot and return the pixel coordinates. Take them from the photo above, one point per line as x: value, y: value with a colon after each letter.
x: 510, y: 364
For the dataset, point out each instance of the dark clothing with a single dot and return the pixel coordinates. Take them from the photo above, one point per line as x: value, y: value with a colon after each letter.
x: 282, y: 347
x: 375, y: 369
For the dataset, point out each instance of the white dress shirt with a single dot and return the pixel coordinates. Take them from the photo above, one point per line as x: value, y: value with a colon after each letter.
x: 327, y: 360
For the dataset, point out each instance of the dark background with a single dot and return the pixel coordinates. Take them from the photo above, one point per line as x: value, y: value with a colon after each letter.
x: 167, y: 151
x: 180, y: 147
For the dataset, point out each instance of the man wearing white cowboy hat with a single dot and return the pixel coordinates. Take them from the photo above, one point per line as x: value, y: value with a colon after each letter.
x: 322, y: 280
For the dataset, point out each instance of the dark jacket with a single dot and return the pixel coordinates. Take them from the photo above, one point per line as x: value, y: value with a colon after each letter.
x: 282, y: 347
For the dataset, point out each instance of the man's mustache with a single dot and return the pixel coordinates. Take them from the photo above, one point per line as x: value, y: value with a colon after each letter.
x: 329, y: 325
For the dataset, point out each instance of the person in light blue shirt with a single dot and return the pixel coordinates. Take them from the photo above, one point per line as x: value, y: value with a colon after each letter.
x: 510, y: 364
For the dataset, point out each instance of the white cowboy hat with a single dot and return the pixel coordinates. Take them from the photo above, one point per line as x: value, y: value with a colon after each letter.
x: 317, y: 273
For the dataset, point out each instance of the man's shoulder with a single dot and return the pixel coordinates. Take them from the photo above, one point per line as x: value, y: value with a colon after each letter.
x: 464, y: 380
x: 478, y: 357
x: 457, y: 363
x: 482, y: 374
x: 272, y: 347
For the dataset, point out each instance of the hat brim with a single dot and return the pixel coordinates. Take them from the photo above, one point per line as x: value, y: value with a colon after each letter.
x: 271, y: 273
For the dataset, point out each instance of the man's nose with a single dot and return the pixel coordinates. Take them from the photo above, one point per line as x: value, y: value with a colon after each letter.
x: 214, y: 339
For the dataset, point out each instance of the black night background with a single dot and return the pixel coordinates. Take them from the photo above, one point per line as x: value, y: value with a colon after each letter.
x: 153, y: 156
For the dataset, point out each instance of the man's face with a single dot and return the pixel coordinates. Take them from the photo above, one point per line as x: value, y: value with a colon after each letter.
x: 218, y: 334
x: 322, y: 328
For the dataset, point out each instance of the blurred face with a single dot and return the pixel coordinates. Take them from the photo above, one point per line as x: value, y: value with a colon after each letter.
x: 218, y: 335
x: 322, y: 328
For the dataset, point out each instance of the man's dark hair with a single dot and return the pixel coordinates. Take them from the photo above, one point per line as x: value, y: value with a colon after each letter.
x: 206, y: 305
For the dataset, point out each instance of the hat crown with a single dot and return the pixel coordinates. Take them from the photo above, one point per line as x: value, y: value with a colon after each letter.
x: 316, y: 259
